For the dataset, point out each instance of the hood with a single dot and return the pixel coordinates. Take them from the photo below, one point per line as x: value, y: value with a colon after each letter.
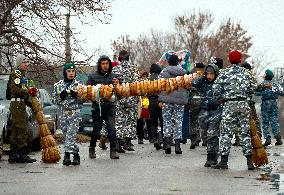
x: 215, y: 69
x: 174, y: 70
x: 155, y: 68
x: 104, y: 57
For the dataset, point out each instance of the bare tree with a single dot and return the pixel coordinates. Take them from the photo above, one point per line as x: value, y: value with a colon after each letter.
x: 36, y: 28
x: 260, y: 61
x: 193, y: 31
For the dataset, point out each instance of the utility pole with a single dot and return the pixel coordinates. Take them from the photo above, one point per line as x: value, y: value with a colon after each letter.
x: 68, y: 55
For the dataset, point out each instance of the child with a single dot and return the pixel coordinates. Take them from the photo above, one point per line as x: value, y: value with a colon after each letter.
x: 269, y: 92
x: 65, y: 93
x: 210, y: 114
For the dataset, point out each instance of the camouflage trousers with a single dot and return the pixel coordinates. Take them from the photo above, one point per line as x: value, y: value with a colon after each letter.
x: 126, y: 122
x: 235, y: 115
x: 255, y: 118
x: 19, y: 133
x: 172, y: 120
x: 70, y: 125
x: 270, y: 117
x: 210, y: 124
x: 194, y: 128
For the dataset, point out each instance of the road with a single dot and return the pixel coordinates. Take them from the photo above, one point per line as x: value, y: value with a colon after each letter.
x: 145, y: 171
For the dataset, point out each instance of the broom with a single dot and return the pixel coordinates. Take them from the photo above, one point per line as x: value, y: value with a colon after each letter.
x: 49, y: 151
x: 259, y: 155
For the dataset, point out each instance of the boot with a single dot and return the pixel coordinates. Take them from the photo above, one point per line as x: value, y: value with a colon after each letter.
x: 140, y: 141
x: 156, y: 137
x: 172, y: 141
x: 23, y: 156
x: 177, y: 147
x: 92, y: 152
x: 237, y: 141
x: 102, y: 143
x: 184, y: 141
x: 167, y: 145
x: 66, y: 160
x: 223, y: 164
x: 76, y: 159
x: 249, y: 162
x: 13, y: 155
x: 127, y: 145
x: 119, y: 146
x: 278, y: 141
x: 211, y: 160
x: 113, y: 154
x: 267, y: 142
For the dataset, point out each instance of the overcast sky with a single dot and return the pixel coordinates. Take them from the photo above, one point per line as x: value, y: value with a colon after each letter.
x: 264, y: 20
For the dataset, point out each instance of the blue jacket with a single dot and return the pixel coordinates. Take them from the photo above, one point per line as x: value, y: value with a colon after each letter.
x: 209, y: 102
x: 269, y: 94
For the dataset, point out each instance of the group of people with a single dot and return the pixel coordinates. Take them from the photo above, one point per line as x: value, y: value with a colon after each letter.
x: 217, y: 105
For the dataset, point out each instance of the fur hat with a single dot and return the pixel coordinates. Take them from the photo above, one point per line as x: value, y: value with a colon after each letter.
x: 20, y: 59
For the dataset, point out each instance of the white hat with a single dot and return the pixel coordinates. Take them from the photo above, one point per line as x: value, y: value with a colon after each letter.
x: 20, y: 59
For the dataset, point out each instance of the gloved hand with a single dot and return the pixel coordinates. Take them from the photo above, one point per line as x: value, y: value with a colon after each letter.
x: 33, y: 91
x: 73, y: 93
x: 63, y: 94
x: 213, y: 104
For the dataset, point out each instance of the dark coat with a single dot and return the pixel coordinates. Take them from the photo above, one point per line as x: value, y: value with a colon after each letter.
x: 101, y: 78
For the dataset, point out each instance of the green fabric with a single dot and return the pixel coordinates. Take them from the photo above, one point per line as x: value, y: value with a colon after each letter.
x: 69, y: 66
x: 269, y: 73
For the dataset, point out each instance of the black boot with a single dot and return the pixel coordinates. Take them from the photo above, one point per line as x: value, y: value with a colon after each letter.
x: 156, y: 138
x: 92, y: 152
x: 127, y: 145
x: 223, y: 164
x: 167, y: 145
x: 237, y: 141
x: 23, y: 156
x: 113, y: 154
x: 13, y: 155
x: 76, y: 159
x: 278, y: 141
x: 267, y: 142
x: 66, y: 160
x: 172, y: 141
x: 177, y: 147
x: 211, y: 160
x: 250, y: 163
x: 140, y: 141
x: 119, y: 146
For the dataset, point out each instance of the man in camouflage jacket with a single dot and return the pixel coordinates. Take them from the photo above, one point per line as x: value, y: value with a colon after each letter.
x: 234, y: 85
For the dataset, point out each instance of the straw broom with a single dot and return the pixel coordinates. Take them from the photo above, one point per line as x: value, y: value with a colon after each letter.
x: 259, y: 155
x: 49, y: 150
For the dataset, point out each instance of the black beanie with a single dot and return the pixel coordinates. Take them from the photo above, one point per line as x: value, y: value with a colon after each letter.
x: 246, y: 65
x: 123, y: 55
x: 155, y: 68
x: 173, y: 60
x: 199, y: 65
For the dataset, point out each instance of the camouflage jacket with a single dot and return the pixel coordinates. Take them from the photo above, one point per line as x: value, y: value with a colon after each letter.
x: 234, y: 82
x: 69, y: 103
x: 126, y: 72
x: 267, y: 93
